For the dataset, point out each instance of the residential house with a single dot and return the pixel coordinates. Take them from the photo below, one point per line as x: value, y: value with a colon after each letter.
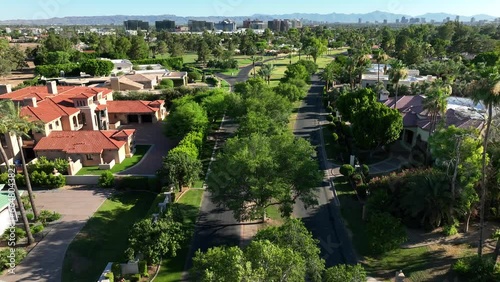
x: 72, y: 113
x: 378, y: 73
x: 92, y: 148
x: 461, y: 112
x: 126, y: 112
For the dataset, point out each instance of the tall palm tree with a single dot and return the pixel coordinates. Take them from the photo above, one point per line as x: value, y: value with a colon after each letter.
x: 328, y: 74
x: 485, y: 88
x: 381, y: 57
x: 436, y: 102
x: 5, y: 128
x: 266, y: 71
x: 255, y: 59
x: 20, y: 126
x: 397, y: 72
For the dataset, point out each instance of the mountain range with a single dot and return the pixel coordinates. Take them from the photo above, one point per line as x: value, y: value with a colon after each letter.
x: 318, y: 18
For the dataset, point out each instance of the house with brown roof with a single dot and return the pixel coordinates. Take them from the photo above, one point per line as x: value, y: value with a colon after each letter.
x: 461, y: 112
x: 92, y: 148
x: 126, y: 112
x: 70, y: 113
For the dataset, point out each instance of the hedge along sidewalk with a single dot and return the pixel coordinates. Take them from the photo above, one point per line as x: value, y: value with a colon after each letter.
x: 140, y: 155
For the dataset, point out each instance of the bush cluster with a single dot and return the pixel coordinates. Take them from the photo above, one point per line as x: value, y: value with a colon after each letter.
x: 175, y: 63
x: 44, y: 180
x: 43, y: 164
x: 106, y: 180
x: 223, y: 64
x: 20, y: 254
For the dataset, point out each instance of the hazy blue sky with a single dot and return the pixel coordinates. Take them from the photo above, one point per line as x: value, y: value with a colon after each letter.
x: 36, y: 9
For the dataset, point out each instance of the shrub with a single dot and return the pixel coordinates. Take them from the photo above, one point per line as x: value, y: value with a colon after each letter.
x: 385, y: 233
x: 37, y: 229
x: 347, y: 170
x: 46, y: 216
x: 54, y: 70
x: 329, y: 109
x: 356, y: 177
x: 169, y: 63
x: 20, y: 254
x: 19, y: 233
x: 135, y: 183
x: 476, y: 269
x: 107, y: 180
x: 116, y: 269
x: 335, y: 137
x: 43, y: 164
x: 451, y: 229
x: 110, y: 276
x: 212, y: 81
x: 194, y: 75
x: 42, y: 179
x: 330, y: 118
x: 143, y: 268
x: 135, y: 278
x: 365, y: 170
x: 30, y: 216
x: 167, y: 82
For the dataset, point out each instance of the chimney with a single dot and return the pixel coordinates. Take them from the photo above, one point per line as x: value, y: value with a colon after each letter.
x: 31, y: 102
x: 5, y: 88
x: 115, y: 83
x: 52, y: 87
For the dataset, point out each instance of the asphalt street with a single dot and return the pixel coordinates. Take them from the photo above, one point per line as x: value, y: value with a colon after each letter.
x: 324, y: 220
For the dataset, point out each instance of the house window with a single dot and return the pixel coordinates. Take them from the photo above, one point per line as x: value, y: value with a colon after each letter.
x: 90, y: 157
x: 50, y: 126
x: 57, y: 123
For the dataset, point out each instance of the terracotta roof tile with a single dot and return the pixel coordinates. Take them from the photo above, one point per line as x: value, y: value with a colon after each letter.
x: 134, y: 107
x: 79, y: 142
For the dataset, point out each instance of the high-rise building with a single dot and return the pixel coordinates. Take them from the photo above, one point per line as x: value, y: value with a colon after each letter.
x: 360, y: 20
x: 200, y: 26
x: 226, y: 25
x: 254, y: 24
x: 472, y: 20
x: 167, y: 25
x: 385, y: 21
x: 136, y: 25
x: 274, y: 25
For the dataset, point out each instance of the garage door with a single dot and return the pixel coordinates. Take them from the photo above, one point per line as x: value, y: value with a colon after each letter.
x: 133, y: 118
x: 147, y: 118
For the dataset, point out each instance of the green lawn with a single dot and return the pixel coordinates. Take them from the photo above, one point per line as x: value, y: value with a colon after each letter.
x: 231, y: 72
x: 105, y: 236
x: 140, y: 151
x: 172, y: 268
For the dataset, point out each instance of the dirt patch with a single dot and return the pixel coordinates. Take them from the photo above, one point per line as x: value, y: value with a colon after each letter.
x: 19, y: 76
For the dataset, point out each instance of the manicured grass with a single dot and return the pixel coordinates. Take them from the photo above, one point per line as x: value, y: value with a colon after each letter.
x: 105, y: 236
x: 231, y: 72
x: 243, y: 60
x: 190, y: 58
x: 172, y: 268
x: 224, y: 84
x: 140, y: 151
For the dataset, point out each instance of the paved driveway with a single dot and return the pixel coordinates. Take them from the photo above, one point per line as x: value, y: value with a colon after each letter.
x: 76, y: 205
x: 150, y: 134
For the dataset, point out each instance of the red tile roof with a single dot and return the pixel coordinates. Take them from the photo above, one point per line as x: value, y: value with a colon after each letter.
x: 53, y: 106
x: 80, y: 142
x: 134, y: 107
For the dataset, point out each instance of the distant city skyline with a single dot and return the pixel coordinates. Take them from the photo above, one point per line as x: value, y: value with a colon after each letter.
x: 43, y: 9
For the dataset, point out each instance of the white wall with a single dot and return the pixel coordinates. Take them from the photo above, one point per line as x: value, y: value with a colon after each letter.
x: 4, y: 220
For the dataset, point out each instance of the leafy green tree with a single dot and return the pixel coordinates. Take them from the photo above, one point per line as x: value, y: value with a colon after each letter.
x: 176, y: 49
x: 56, y: 42
x: 181, y: 167
x: 155, y: 240
x: 216, y: 104
x: 385, y: 233
x: 345, y: 273
x: 377, y: 125
x: 203, y: 52
x: 290, y: 91
x: 58, y: 58
x: 215, y: 263
x: 139, y: 48
x: 294, y: 235
x: 186, y: 118
x: 315, y: 47
x: 97, y: 67
x: 296, y: 71
x: 122, y: 47
x: 435, y: 102
x: 311, y: 67
x: 274, y: 263
x: 255, y: 172
x: 161, y: 48
x: 350, y: 103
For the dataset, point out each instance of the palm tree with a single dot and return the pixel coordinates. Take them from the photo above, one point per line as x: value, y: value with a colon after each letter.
x: 486, y: 89
x: 266, y: 72
x: 397, y: 72
x: 436, y: 102
x: 328, y: 74
x: 4, y: 129
x: 255, y: 59
x: 21, y: 127
x: 381, y: 57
